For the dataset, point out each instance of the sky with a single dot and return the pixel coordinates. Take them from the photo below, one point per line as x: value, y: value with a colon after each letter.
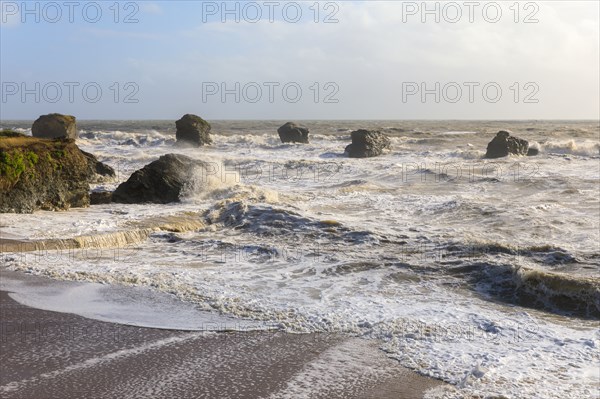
x: 300, y: 60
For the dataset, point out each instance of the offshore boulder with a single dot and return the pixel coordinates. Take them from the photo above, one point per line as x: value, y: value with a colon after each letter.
x: 53, y: 126
x: 293, y: 133
x: 191, y: 129
x: 504, y: 144
x: 367, y: 143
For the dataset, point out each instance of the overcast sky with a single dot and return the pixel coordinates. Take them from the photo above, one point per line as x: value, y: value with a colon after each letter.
x: 337, y: 60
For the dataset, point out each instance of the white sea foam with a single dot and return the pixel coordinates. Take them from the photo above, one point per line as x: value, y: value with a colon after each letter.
x: 443, y: 333
x: 574, y: 147
x: 309, y: 240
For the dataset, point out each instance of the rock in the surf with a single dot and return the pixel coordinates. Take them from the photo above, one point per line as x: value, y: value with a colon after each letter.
x: 367, y: 143
x: 293, y: 133
x: 53, y: 126
x: 100, y: 197
x: 161, y: 181
x: 504, y: 144
x: 192, y: 129
x: 98, y: 170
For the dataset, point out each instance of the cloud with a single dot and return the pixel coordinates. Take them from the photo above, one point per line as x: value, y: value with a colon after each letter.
x: 369, y: 53
x: 371, y: 37
x: 151, y: 8
x: 111, y: 34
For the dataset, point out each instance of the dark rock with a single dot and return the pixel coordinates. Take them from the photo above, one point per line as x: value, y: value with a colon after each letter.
x: 504, y: 144
x: 367, y: 143
x: 292, y: 133
x: 100, y: 170
x: 160, y: 182
x: 100, y: 197
x: 532, y: 151
x: 194, y: 130
x: 53, y: 126
x: 42, y: 174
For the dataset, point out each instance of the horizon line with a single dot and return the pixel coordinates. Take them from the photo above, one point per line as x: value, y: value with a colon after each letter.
x: 334, y: 120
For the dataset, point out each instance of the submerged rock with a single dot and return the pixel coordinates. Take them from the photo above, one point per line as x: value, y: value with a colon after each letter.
x: 367, y: 143
x: 504, y: 144
x: 42, y: 174
x: 98, y: 169
x: 293, y: 133
x: 159, y: 182
x: 53, y: 126
x: 100, y: 197
x: 194, y: 130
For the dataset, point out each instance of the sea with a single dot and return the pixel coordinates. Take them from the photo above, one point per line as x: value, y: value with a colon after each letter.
x: 484, y: 273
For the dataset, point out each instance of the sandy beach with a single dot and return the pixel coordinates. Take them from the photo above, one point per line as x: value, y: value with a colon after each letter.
x: 48, y: 354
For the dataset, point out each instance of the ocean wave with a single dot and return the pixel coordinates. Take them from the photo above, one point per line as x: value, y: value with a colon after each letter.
x: 582, y: 148
x: 458, y: 133
x: 357, y: 290
x: 270, y: 221
x: 564, y: 293
x: 238, y: 192
x: 532, y: 287
x: 137, y: 232
x: 259, y: 219
x: 544, y: 277
x: 358, y: 185
x: 259, y: 140
x: 146, y: 138
x: 25, y: 131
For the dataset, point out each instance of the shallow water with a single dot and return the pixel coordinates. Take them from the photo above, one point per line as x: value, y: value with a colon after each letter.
x: 480, y: 272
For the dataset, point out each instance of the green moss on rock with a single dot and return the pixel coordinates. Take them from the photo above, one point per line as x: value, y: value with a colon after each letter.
x: 42, y: 174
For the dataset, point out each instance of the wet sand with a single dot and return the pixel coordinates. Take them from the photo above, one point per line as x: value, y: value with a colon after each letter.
x: 47, y: 354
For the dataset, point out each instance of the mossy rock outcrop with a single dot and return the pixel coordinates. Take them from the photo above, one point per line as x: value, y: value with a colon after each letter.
x: 42, y: 174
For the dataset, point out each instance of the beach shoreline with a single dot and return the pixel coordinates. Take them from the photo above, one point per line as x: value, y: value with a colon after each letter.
x: 43, y: 352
